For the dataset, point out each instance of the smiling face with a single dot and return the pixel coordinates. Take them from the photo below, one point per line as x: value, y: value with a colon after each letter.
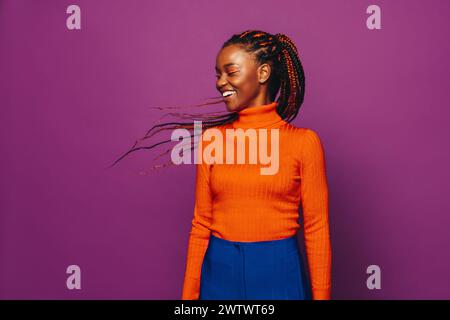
x: 241, y: 81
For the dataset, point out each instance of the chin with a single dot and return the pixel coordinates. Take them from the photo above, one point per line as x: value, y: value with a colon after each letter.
x: 232, y: 107
x: 229, y: 107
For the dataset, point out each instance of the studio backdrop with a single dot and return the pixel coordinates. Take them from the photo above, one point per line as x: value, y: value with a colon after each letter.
x: 81, y: 81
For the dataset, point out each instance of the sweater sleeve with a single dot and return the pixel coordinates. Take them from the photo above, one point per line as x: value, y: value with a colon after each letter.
x: 314, y: 195
x: 200, y: 230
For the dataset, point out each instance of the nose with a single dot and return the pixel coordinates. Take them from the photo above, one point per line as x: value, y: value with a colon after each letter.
x: 220, y: 83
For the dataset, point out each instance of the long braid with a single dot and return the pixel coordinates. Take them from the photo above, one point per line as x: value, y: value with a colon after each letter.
x: 295, y: 80
x: 287, y: 79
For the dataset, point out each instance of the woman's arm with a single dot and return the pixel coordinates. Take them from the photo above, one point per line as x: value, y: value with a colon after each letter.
x: 200, y: 230
x: 314, y: 195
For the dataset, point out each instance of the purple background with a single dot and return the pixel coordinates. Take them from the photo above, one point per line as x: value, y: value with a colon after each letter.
x: 73, y: 101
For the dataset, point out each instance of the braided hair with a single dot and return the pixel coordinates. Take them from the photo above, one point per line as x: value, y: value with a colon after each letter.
x: 287, y: 78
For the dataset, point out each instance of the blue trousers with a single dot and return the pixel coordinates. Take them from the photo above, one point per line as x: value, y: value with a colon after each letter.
x: 262, y: 270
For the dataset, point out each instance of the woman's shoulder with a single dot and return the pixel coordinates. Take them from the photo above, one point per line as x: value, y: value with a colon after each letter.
x: 305, y: 139
x: 302, y: 132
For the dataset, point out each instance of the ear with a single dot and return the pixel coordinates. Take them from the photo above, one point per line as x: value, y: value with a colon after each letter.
x: 264, y: 71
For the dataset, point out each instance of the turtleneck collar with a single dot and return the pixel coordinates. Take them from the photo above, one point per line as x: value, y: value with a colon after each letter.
x: 263, y: 116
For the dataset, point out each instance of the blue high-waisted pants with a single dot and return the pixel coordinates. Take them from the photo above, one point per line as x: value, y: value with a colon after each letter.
x: 259, y: 270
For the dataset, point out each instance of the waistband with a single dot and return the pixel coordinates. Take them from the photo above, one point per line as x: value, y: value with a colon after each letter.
x: 285, y: 242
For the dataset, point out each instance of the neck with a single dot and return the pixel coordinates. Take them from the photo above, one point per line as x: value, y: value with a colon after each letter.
x: 262, y: 116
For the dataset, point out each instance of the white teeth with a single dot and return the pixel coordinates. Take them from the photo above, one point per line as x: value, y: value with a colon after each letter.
x: 227, y: 93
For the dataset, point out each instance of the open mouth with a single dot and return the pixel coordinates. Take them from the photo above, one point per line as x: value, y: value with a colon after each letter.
x: 229, y: 93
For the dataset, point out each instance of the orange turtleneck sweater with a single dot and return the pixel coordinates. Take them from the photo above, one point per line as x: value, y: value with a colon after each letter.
x: 235, y: 202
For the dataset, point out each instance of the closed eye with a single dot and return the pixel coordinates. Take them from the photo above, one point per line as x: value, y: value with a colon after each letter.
x: 230, y: 74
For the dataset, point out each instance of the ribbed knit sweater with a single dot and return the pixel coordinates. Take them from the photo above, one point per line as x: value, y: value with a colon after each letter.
x: 237, y: 203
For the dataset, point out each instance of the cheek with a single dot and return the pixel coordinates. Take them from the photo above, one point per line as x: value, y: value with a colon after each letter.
x: 247, y: 86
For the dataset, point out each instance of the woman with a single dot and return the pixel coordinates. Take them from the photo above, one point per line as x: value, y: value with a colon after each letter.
x: 242, y: 244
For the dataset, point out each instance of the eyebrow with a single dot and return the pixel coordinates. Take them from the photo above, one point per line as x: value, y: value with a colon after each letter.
x: 226, y: 65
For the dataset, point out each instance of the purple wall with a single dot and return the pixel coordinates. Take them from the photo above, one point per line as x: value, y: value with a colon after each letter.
x: 72, y: 101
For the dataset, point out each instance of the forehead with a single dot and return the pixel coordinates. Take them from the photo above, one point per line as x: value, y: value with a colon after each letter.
x: 233, y: 55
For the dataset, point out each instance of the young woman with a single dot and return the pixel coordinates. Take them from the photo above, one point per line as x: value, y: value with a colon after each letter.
x: 242, y: 244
